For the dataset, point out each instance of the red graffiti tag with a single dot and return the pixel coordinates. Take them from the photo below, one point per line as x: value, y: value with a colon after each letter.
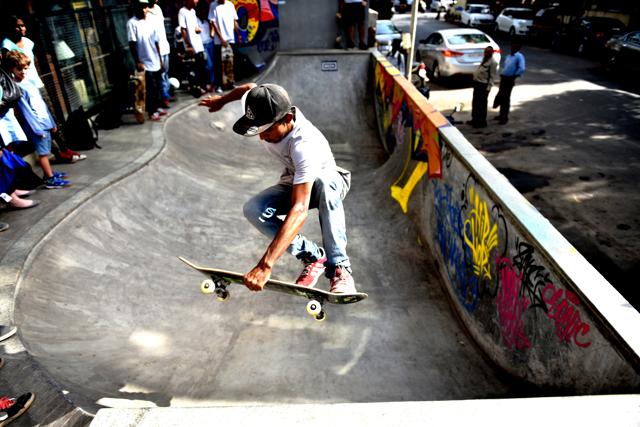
x: 511, y: 306
x: 565, y: 313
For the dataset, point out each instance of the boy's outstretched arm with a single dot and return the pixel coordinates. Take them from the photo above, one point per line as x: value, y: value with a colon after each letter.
x: 216, y: 102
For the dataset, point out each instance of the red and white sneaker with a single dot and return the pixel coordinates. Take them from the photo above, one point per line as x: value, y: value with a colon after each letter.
x: 13, y: 408
x: 311, y: 273
x: 342, y: 282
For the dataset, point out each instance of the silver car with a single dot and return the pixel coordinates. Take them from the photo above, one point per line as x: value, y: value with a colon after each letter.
x: 455, y: 51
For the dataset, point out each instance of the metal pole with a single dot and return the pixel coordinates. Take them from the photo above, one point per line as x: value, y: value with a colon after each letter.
x: 412, y: 30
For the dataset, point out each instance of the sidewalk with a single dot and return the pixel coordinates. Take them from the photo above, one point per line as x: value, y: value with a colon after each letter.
x: 124, y: 151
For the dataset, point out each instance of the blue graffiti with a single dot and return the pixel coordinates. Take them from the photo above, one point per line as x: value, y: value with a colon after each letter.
x: 449, y: 232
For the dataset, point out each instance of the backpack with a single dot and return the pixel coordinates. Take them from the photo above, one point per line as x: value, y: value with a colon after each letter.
x: 10, y: 92
x: 80, y: 133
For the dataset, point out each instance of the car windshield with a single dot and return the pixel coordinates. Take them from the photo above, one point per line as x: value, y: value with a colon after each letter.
x: 521, y: 14
x: 478, y: 9
x: 473, y: 38
x: 385, y: 28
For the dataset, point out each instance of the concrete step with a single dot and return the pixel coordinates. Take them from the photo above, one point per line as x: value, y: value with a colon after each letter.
x: 618, y: 410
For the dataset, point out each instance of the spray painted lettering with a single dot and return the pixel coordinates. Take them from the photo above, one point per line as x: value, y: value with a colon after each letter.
x: 563, y: 309
x: 511, y: 306
x: 480, y: 235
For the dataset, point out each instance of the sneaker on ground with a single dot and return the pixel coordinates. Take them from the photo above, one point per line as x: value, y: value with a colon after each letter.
x: 58, y: 174
x: 154, y: 117
x: 342, y: 282
x: 162, y: 112
x: 54, y: 182
x: 219, y: 90
x: 311, y: 272
x: 13, y: 408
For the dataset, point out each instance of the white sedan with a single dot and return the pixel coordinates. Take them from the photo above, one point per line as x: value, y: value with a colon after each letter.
x: 477, y: 15
x: 455, y: 51
x: 515, y: 20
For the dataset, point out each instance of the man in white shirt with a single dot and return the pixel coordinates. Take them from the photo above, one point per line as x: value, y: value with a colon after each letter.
x: 188, y: 22
x: 224, y: 24
x: 311, y: 179
x: 145, y: 49
x: 155, y: 14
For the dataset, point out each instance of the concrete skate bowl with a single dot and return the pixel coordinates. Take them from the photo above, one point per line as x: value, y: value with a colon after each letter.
x: 106, y: 308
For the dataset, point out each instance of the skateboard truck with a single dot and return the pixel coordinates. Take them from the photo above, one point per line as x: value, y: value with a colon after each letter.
x: 216, y: 285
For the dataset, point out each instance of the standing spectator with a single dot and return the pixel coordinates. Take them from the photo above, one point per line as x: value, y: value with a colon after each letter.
x: 37, y: 119
x: 16, y: 40
x: 207, y: 34
x: 144, y: 44
x: 483, y: 78
x: 513, y: 68
x: 224, y: 20
x: 353, y: 16
x: 154, y: 13
x: 188, y: 22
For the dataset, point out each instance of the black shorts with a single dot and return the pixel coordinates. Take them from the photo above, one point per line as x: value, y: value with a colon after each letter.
x: 353, y: 13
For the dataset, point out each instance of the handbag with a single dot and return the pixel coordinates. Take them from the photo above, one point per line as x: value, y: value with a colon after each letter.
x: 10, y: 92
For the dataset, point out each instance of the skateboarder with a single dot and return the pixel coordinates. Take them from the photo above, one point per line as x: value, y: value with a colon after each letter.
x: 311, y: 179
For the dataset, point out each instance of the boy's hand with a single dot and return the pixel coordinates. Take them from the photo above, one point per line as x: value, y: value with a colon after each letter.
x: 140, y: 66
x: 213, y: 102
x: 257, y: 278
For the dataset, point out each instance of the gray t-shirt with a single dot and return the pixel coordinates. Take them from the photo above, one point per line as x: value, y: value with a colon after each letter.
x: 304, y: 152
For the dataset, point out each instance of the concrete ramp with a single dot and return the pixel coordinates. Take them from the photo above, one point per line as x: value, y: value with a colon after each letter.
x: 105, y: 306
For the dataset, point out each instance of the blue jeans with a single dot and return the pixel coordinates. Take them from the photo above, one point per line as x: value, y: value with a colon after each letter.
x: 165, y: 95
x: 210, y: 54
x: 327, y: 194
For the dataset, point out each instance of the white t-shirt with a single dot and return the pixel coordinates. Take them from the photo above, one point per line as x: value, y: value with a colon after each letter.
x: 156, y: 16
x: 225, y: 16
x: 304, y: 152
x: 145, y: 36
x: 188, y: 20
x: 205, y: 34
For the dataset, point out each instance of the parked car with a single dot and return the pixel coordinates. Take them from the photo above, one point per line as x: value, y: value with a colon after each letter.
x: 515, y: 21
x: 440, y: 5
x: 477, y: 15
x: 587, y: 35
x: 386, y: 32
x: 545, y: 24
x: 454, y: 51
x: 622, y: 54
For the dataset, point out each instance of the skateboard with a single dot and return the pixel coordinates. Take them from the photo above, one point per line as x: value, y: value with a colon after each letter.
x: 138, y: 89
x: 228, y: 77
x: 219, y: 281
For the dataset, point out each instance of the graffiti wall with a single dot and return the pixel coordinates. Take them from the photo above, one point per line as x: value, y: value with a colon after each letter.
x: 517, y: 302
x: 258, y: 21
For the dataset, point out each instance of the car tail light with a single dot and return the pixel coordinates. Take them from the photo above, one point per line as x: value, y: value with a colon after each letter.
x: 450, y: 53
x: 496, y: 51
x: 599, y: 34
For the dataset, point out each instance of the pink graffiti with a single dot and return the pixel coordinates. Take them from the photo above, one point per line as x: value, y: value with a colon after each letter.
x: 565, y: 313
x: 511, y: 306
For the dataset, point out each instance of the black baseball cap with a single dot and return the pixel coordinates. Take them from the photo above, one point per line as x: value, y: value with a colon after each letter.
x: 264, y: 105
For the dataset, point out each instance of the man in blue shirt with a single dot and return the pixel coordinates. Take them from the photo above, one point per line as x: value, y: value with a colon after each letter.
x: 512, y: 69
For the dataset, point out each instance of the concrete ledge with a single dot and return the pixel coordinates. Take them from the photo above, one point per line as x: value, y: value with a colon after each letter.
x: 586, y: 411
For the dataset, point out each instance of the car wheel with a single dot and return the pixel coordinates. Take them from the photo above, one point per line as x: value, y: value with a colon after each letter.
x: 435, y: 72
x: 512, y: 32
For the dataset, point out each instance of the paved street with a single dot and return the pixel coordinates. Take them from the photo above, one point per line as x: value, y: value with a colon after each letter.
x: 572, y: 147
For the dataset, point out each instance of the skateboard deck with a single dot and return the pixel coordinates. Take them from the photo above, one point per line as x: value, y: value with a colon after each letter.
x: 228, y: 77
x: 219, y: 280
x: 138, y: 88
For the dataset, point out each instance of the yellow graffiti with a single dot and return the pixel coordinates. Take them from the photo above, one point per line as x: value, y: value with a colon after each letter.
x: 402, y: 194
x: 480, y: 235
